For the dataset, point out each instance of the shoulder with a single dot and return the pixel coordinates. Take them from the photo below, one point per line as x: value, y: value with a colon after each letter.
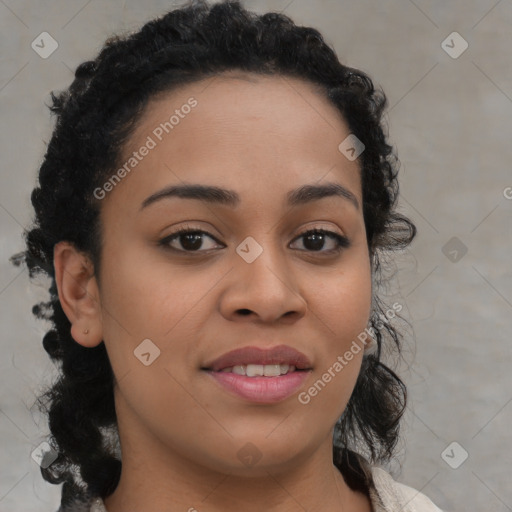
x: 390, y: 495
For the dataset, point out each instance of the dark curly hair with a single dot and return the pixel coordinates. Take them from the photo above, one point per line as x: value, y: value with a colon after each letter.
x: 95, y: 117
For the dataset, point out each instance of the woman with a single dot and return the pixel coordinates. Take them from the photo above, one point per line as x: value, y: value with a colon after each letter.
x: 211, y: 209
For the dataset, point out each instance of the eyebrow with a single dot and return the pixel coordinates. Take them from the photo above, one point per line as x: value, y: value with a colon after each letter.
x: 216, y: 195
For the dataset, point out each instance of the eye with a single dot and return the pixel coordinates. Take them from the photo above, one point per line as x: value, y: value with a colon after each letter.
x: 315, y: 240
x: 192, y: 240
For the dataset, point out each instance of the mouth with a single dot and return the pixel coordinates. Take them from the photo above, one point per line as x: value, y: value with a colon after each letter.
x: 260, y: 375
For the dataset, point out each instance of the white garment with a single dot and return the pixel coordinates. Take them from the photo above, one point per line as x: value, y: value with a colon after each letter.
x: 396, y: 497
x: 388, y: 496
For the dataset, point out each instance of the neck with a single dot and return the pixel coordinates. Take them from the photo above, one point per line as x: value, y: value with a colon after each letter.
x: 156, y: 477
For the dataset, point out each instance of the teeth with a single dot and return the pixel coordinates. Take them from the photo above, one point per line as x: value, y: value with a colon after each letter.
x: 272, y: 370
x: 254, y: 370
x: 239, y: 370
x: 259, y: 370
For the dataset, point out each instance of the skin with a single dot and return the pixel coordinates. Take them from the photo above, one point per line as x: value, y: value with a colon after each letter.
x: 180, y: 431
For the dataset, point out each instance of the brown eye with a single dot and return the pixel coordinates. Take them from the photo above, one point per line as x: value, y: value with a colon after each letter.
x: 191, y: 240
x: 316, y: 239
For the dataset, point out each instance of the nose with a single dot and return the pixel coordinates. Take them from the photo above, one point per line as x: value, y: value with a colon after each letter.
x: 265, y: 290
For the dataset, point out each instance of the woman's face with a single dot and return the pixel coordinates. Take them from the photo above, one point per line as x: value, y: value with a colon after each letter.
x: 171, y: 306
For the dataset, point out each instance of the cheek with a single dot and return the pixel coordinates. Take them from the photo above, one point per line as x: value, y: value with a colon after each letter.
x: 144, y: 299
x: 142, y: 295
x: 343, y: 301
x: 342, y: 308
x: 328, y: 392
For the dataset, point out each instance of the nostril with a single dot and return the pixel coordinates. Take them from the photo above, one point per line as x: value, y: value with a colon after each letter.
x: 244, y: 312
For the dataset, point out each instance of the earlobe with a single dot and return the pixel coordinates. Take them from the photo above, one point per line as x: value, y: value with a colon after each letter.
x: 78, y: 293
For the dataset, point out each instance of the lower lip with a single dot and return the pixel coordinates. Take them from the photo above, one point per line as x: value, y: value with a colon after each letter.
x: 261, y: 389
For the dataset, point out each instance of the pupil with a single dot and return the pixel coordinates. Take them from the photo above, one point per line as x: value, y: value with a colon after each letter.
x: 318, y: 241
x: 193, y: 241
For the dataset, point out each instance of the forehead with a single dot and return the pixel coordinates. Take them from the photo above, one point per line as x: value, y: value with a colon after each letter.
x: 275, y: 110
x: 277, y: 130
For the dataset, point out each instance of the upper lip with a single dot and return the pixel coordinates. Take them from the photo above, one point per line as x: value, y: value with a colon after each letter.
x: 281, y: 354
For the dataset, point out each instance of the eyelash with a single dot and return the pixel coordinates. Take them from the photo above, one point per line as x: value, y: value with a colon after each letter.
x: 342, y: 241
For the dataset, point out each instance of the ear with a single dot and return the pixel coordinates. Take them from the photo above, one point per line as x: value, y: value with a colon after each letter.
x: 78, y: 293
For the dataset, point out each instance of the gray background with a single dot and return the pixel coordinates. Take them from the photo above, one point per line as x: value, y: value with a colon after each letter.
x: 450, y: 119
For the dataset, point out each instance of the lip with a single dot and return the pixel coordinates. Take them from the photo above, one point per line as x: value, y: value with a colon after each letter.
x: 261, y: 389
x: 281, y: 354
